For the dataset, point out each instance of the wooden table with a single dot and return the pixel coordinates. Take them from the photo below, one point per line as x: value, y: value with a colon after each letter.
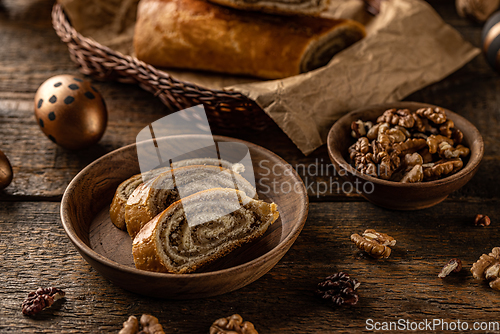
x: 34, y: 250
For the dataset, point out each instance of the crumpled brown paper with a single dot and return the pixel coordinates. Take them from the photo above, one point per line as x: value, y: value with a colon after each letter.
x: 408, y: 46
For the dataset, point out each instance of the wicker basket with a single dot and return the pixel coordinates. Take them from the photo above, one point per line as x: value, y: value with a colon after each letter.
x: 226, y: 111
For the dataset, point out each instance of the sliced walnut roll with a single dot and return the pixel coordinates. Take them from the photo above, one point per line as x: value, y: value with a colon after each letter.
x: 154, y: 196
x: 199, y: 229
x: 127, y: 187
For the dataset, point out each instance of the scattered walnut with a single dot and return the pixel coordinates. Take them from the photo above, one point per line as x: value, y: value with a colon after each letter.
x: 454, y: 265
x: 339, y: 288
x: 150, y: 325
x: 401, y: 117
x: 487, y: 267
x: 436, y: 115
x: 433, y: 171
x: 232, y: 325
x: 374, y: 243
x: 482, y: 220
x: 40, y: 299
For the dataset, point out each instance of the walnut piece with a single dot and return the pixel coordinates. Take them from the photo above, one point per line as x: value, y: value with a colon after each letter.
x: 436, y: 115
x: 416, y: 174
x: 401, y: 117
x: 150, y: 325
x: 433, y: 171
x: 360, y: 128
x: 374, y: 243
x: 40, y: 299
x: 454, y: 265
x: 433, y: 142
x: 482, y: 220
x: 446, y: 129
x: 232, y: 325
x: 338, y: 288
x: 445, y: 150
x: 488, y: 267
x: 411, y: 145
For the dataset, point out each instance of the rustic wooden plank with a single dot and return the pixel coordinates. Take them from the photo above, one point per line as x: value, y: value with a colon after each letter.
x: 34, y: 251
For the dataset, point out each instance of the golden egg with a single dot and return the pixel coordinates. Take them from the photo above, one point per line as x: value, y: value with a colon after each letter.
x: 491, y: 40
x: 6, y: 173
x: 70, y: 111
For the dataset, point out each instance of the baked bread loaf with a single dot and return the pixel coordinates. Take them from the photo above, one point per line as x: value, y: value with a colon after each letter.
x: 286, y: 7
x: 127, y: 187
x: 195, y: 34
x: 172, y: 243
x: 154, y: 196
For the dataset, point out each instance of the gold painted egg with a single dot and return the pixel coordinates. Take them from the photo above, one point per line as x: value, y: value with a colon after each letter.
x: 6, y: 173
x: 70, y: 111
x: 491, y: 40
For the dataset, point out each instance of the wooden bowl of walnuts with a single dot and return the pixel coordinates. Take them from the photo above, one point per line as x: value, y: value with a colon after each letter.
x: 405, y: 155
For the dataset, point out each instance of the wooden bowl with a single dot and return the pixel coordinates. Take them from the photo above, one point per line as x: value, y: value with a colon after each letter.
x: 396, y: 195
x: 85, y: 217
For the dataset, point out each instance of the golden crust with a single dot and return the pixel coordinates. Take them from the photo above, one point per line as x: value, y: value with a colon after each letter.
x: 146, y: 249
x: 195, y: 34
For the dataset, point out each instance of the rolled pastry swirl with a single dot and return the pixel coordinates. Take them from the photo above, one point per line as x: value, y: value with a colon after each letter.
x: 173, y: 243
x: 127, y: 187
x: 154, y: 196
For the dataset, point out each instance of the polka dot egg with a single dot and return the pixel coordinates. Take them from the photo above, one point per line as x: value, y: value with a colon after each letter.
x: 70, y: 112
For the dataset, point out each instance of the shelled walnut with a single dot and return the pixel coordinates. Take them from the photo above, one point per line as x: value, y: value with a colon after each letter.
x: 41, y: 299
x: 150, y: 325
x: 488, y: 267
x: 374, y: 243
x: 482, y: 220
x: 382, y: 150
x: 453, y: 266
x: 232, y: 325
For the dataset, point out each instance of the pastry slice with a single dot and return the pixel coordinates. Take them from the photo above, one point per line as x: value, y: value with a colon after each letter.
x: 127, y: 187
x: 199, y: 229
x: 154, y: 196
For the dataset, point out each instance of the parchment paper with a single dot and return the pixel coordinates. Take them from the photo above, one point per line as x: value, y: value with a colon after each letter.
x: 408, y: 46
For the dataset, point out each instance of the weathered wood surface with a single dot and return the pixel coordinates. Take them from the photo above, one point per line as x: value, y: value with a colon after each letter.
x: 34, y: 250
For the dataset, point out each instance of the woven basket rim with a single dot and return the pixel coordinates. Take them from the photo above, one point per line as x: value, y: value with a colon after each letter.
x: 61, y: 20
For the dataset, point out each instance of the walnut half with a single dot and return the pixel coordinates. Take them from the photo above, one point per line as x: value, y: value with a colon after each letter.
x: 488, y: 267
x: 150, y: 325
x: 374, y: 243
x: 232, y: 325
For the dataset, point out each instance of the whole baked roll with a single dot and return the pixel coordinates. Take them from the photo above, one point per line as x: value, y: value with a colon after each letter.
x: 154, y: 196
x: 195, y: 34
x: 127, y: 187
x: 172, y: 243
